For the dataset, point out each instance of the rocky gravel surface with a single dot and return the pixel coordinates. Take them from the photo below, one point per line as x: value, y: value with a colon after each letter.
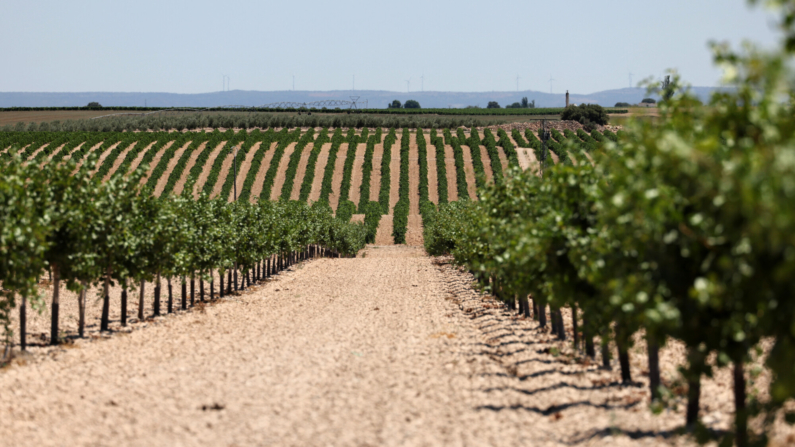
x: 389, y: 348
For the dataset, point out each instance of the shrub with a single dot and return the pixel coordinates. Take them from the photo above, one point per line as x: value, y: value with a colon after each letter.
x: 411, y: 104
x: 623, y: 104
x: 493, y: 105
x: 585, y: 114
x: 648, y: 101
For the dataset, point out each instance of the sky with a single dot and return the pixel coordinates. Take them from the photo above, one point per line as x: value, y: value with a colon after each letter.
x: 585, y: 46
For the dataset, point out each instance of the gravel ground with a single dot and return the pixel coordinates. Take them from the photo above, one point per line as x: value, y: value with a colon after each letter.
x: 390, y: 348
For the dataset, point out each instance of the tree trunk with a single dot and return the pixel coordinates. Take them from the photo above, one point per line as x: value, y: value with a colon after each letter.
x: 606, y: 355
x: 561, y: 326
x: 653, y: 349
x: 201, y: 288
x: 221, y: 283
x: 623, y: 360
x: 170, y: 296
x: 553, y: 317
x: 740, y: 413
x: 23, y: 322
x: 212, y: 285
x: 81, y: 310
x: 535, y: 309
x: 141, y: 301
x: 693, y: 386
x: 105, y: 321
x: 184, y: 303
x: 587, y: 334
x: 526, y: 306
x: 124, y: 303
x: 157, y: 296
x: 542, y: 315
x: 192, y: 290
x: 575, y: 324
x: 235, y: 277
x: 56, y: 293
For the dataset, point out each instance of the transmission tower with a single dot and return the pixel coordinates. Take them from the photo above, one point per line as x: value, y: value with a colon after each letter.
x: 353, y: 101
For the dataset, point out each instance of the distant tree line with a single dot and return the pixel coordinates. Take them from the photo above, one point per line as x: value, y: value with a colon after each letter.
x: 410, y: 104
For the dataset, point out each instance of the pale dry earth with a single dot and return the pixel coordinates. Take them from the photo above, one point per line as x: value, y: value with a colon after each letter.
x: 449, y: 162
x: 394, y: 174
x: 356, y: 174
x: 226, y: 168
x: 179, y: 186
x: 375, y: 177
x: 469, y: 171
x: 336, y: 179
x: 389, y: 348
x: 320, y: 166
x: 487, y: 168
x: 163, y: 180
x: 259, y: 180
x: 119, y: 160
x: 300, y: 173
x: 152, y: 163
x: 503, y: 158
x: 243, y: 167
x: 281, y: 173
x: 433, y: 174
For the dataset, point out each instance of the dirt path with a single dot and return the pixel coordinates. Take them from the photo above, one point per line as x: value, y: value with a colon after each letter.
x: 320, y: 167
x: 180, y: 184
x: 256, y: 188
x: 391, y: 348
x: 336, y: 178
x: 484, y: 157
x: 300, y: 173
x: 154, y: 161
x: 414, y: 177
x: 414, y: 228
x: 449, y: 161
x: 375, y: 177
x: 356, y: 174
x: 139, y: 157
x: 433, y: 175
x: 163, y: 180
x: 469, y: 171
x: 226, y: 167
x: 383, y: 235
x: 503, y: 158
x: 394, y: 176
x: 281, y: 173
x: 242, y: 169
x: 119, y: 160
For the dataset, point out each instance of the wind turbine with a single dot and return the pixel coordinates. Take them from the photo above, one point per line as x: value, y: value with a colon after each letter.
x: 550, y: 83
x: 408, y: 85
x: 630, y: 79
x: 517, y: 82
x: 293, y: 82
x: 423, y: 82
x: 226, y: 82
x: 354, y: 83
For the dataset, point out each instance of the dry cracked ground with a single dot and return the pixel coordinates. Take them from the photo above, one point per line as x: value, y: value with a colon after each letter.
x: 390, y: 348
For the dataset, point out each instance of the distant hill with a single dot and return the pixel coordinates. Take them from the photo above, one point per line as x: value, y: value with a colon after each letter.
x: 375, y: 98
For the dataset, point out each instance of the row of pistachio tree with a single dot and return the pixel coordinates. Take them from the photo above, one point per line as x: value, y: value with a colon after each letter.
x: 86, y: 232
x: 685, y: 229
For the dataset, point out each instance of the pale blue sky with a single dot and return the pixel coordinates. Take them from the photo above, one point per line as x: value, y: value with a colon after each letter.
x: 461, y: 45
